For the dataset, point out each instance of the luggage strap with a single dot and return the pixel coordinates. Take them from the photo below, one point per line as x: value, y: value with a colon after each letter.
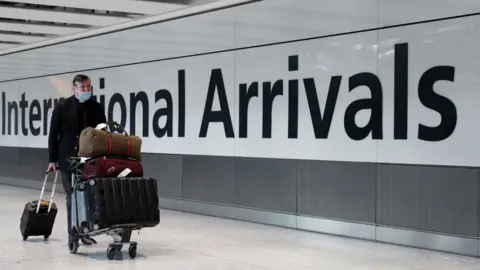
x: 109, y: 145
x: 129, y: 149
x: 43, y: 190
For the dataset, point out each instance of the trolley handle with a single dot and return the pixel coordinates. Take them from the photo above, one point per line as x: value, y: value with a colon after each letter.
x: 47, y: 173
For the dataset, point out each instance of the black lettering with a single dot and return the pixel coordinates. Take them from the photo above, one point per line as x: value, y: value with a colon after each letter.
x: 12, y: 107
x: 23, y: 106
x: 47, y: 105
x: 102, y: 97
x: 374, y: 104
x: 35, y: 115
x: 269, y: 94
x: 444, y: 106
x: 181, y: 103
x: 245, y: 95
x: 400, y: 116
x: 293, y: 109
x: 167, y: 112
x: 134, y: 99
x: 293, y: 63
x: 209, y: 116
x: 118, y: 98
x: 102, y: 101
x: 293, y: 99
x: 321, y: 125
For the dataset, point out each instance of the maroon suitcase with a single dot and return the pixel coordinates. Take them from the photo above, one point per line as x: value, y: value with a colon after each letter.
x: 111, y: 167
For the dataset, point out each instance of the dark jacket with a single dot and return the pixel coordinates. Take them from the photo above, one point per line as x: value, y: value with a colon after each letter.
x: 69, y: 118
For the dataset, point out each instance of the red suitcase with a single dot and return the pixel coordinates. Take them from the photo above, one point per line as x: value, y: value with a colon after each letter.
x: 112, y: 167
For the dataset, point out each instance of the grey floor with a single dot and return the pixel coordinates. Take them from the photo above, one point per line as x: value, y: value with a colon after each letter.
x: 187, y: 241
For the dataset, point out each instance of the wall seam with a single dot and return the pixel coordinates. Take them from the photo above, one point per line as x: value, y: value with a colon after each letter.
x: 478, y: 212
x: 376, y: 165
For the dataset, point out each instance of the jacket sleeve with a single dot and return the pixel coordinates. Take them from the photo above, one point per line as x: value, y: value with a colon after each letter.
x: 102, y: 118
x: 53, y: 136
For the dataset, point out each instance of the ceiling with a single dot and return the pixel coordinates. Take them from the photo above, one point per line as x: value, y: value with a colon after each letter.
x: 29, y: 21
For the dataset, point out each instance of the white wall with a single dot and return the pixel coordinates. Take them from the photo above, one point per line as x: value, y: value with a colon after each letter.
x: 254, y: 43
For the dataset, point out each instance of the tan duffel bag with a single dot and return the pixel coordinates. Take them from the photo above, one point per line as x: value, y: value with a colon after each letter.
x: 95, y: 142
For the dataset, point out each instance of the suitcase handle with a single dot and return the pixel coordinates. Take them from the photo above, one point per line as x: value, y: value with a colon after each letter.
x: 116, y: 125
x: 43, y: 190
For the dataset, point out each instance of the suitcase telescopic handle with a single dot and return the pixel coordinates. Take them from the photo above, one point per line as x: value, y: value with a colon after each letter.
x: 43, y: 190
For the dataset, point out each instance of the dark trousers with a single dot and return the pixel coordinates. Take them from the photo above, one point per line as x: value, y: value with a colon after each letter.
x: 67, y: 187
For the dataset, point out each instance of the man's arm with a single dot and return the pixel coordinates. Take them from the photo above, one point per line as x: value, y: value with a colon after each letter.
x: 53, y: 136
x: 102, y: 116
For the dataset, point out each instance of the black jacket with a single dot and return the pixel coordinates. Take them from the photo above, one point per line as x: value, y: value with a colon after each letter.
x: 69, y: 118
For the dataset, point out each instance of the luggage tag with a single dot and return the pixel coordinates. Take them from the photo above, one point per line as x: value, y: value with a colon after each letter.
x: 124, y: 173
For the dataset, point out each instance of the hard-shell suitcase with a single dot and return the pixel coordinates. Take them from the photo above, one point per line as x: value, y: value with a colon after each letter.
x: 105, y: 203
x: 38, y: 218
x: 112, y: 167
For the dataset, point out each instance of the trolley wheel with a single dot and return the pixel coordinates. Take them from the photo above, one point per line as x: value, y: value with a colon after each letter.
x: 73, y: 247
x: 132, y: 251
x: 46, y: 236
x: 111, y: 253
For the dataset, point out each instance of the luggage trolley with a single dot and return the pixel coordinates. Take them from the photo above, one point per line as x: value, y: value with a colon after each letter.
x: 121, y: 233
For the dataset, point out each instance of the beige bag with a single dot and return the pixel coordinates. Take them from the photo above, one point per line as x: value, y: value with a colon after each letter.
x: 95, y: 142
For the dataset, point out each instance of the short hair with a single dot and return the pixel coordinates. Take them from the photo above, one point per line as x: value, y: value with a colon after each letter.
x: 80, y: 78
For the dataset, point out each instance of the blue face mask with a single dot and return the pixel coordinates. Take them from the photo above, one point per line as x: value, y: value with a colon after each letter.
x: 84, y: 96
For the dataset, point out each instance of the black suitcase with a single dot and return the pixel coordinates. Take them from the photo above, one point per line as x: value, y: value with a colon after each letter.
x: 38, y: 219
x: 106, y: 203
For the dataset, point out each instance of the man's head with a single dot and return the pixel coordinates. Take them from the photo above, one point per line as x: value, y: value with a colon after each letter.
x: 82, y: 87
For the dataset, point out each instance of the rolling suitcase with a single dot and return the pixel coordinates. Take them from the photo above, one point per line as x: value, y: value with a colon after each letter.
x: 39, y: 216
x: 105, y: 203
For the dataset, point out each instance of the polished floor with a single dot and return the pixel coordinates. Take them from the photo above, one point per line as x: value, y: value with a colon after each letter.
x: 187, y: 241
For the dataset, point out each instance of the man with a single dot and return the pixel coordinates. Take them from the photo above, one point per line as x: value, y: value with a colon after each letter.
x: 69, y: 118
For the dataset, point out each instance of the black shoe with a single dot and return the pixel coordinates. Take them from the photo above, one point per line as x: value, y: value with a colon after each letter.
x: 87, y: 240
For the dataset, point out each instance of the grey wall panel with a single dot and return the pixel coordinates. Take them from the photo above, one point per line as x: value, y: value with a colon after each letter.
x: 208, y: 178
x: 23, y: 163
x: 427, y: 198
x: 33, y: 163
x: 167, y: 169
x: 9, y: 162
x: 266, y: 183
x: 436, y: 199
x: 337, y: 190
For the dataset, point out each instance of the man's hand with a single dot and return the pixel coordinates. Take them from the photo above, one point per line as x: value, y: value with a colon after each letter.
x: 52, y: 167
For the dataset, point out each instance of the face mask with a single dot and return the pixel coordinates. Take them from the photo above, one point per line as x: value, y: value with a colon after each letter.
x: 84, y: 96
